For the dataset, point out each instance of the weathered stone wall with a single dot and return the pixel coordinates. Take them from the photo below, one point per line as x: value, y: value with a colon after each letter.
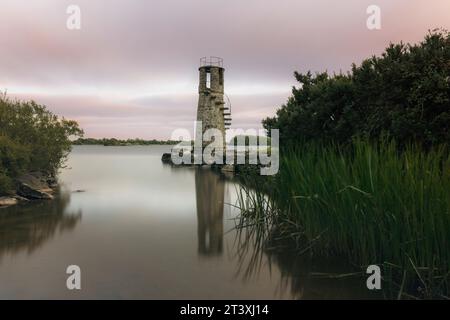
x: 211, y: 100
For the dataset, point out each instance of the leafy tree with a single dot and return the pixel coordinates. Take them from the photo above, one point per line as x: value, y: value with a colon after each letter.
x: 404, y: 94
x: 31, y: 139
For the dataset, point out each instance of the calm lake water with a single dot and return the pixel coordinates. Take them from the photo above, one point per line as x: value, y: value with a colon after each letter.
x: 145, y: 230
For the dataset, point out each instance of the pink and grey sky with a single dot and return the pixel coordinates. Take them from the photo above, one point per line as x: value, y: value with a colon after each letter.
x: 132, y: 69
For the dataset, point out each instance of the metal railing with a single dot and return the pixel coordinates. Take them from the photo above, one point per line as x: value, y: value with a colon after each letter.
x: 211, y: 61
x: 228, y: 103
x: 227, y: 118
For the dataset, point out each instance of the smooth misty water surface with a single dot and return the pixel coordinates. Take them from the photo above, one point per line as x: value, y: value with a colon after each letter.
x: 142, y: 229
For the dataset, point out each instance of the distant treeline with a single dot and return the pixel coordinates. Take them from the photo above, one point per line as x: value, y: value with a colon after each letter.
x: 237, y: 140
x: 118, y: 142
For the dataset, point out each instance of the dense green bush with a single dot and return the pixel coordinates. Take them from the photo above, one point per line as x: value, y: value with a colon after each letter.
x: 31, y: 139
x: 404, y: 93
x: 382, y: 199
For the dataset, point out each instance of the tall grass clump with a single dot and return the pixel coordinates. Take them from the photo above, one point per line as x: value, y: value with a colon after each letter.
x: 371, y: 204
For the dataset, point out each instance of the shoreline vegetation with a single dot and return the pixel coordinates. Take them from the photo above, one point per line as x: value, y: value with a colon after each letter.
x: 34, y: 144
x: 365, y: 169
x: 236, y: 141
x: 369, y: 204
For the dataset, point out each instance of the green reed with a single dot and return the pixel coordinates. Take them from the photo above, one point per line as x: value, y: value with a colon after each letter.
x: 370, y: 203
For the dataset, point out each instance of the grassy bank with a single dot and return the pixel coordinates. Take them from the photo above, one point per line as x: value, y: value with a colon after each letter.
x: 371, y: 204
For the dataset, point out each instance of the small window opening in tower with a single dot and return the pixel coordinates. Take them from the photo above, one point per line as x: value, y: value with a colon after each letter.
x: 208, y: 80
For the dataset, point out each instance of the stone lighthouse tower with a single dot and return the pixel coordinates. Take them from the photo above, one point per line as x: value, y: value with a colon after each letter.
x: 212, y: 110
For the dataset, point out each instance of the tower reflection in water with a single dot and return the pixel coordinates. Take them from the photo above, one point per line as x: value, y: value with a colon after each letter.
x: 210, y: 195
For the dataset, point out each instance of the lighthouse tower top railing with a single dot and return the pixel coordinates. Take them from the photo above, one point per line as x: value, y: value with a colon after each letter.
x: 211, y: 61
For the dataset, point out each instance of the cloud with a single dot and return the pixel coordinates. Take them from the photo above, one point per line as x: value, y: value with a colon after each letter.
x: 132, y: 68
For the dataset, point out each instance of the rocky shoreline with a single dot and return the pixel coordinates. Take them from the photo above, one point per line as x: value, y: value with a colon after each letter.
x: 29, y: 187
